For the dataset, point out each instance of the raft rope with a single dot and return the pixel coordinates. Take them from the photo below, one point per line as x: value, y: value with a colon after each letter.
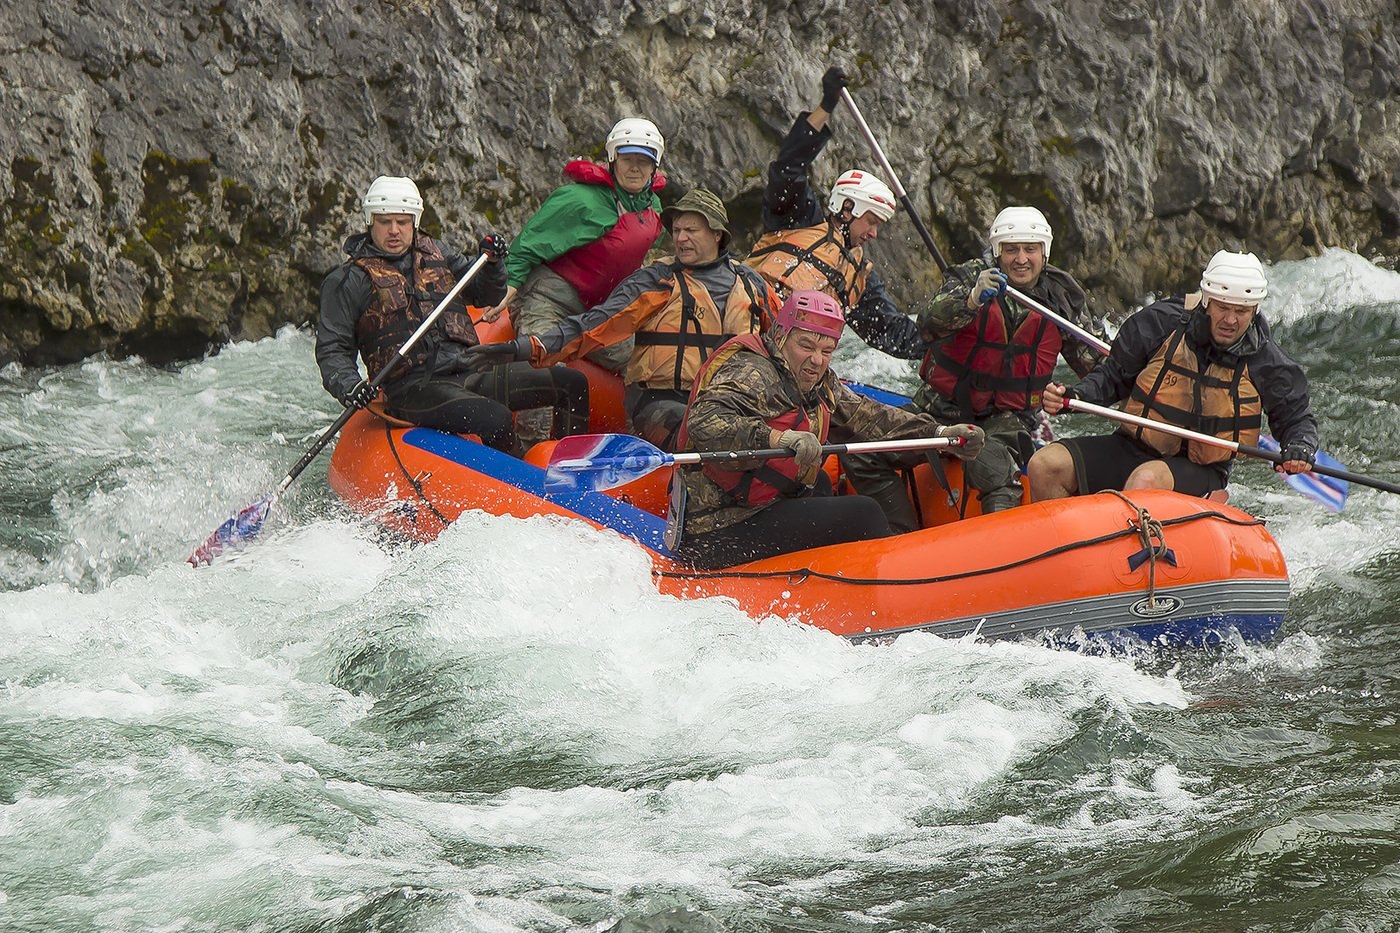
x: 1150, y: 532
x: 802, y: 574
x: 1153, y: 541
x: 412, y: 480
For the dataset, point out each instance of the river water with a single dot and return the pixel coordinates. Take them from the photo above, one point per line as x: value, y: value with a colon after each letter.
x: 509, y: 729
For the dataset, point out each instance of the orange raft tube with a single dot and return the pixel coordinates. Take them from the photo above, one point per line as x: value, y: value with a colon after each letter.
x: 1170, y: 568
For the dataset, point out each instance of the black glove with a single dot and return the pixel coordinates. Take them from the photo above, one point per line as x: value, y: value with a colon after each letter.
x: 832, y: 83
x: 495, y: 246
x: 483, y: 356
x: 1299, y: 450
x: 359, y: 396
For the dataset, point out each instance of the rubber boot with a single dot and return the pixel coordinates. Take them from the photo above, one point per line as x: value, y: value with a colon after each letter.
x: 999, y: 500
x: 893, y: 499
x: 570, y: 402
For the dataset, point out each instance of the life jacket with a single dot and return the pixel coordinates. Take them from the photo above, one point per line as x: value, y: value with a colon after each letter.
x: 1216, y: 399
x: 771, y: 478
x: 811, y: 258
x: 594, y: 269
x: 673, y: 343
x: 983, y: 369
x: 397, y: 307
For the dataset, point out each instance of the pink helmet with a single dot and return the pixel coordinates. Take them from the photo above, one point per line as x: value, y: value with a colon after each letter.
x: 814, y: 311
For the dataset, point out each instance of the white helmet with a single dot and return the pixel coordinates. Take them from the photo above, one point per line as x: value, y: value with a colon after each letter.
x: 1020, y: 225
x: 1235, y: 278
x: 392, y: 194
x: 634, y: 134
x: 865, y: 192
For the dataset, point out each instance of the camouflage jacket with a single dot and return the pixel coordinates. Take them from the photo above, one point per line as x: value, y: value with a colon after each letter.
x: 948, y: 313
x: 732, y: 413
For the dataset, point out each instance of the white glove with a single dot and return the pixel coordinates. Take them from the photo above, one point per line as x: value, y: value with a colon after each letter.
x: 974, y: 439
x: 807, y: 451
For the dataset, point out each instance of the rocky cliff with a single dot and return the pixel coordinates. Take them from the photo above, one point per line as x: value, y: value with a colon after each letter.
x: 173, y: 175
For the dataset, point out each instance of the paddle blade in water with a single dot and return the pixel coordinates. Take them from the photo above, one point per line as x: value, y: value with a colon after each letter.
x: 1326, y: 490
x: 238, y: 530
x: 600, y: 461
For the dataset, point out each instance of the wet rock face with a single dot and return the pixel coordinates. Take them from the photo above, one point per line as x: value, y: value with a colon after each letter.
x: 174, y: 175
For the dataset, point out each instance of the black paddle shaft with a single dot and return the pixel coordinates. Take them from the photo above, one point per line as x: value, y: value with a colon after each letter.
x: 894, y: 181
x: 776, y: 453
x: 924, y: 234
x: 1350, y: 477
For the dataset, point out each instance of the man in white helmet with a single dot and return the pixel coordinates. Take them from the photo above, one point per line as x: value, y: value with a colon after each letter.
x: 588, y: 236
x: 1205, y: 362
x: 393, y: 278
x: 986, y: 359
x: 815, y: 242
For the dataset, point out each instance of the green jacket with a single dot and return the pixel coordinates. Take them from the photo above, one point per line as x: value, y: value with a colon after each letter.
x: 573, y: 215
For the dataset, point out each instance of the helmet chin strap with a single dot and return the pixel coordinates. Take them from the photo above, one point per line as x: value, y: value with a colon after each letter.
x: 780, y: 341
x: 844, y: 221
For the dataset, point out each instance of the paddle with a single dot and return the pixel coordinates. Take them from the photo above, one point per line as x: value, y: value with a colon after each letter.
x: 1328, y: 495
x: 243, y: 526
x: 1261, y: 453
x: 594, y: 462
x: 1029, y: 302
x: 894, y: 180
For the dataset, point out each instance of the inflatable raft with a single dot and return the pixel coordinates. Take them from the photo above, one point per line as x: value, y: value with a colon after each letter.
x: 1169, y: 568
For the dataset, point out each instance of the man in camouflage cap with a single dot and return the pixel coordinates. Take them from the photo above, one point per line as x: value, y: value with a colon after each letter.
x: 680, y: 309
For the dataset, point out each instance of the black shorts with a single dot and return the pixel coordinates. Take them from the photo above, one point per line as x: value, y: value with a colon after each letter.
x: 1104, y: 461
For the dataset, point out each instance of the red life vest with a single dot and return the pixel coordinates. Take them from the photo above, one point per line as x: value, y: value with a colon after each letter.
x: 983, y: 369
x: 594, y: 269
x: 772, y: 478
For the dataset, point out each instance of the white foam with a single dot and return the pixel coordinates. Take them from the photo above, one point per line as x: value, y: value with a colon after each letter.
x: 511, y: 717
x: 1332, y: 283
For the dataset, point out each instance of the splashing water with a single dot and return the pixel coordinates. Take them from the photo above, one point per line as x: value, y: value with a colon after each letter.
x: 510, y: 729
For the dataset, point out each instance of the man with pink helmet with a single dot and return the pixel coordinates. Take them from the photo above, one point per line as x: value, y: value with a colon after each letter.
x: 778, y: 390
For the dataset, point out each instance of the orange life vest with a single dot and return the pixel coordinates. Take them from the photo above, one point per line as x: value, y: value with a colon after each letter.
x: 811, y: 258
x: 1213, y: 399
x: 673, y: 343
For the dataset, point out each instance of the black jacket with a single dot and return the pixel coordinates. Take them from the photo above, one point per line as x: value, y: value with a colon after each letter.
x: 789, y: 203
x: 1283, y: 387
x: 346, y: 292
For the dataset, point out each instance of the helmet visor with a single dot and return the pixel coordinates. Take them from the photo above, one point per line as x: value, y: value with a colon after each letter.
x: 638, y: 150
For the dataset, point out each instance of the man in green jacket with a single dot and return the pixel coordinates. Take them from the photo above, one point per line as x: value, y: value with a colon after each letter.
x: 587, y: 237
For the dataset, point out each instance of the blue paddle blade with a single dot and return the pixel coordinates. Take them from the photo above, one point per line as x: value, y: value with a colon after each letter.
x: 237, y: 531
x: 594, y: 462
x: 1328, y: 491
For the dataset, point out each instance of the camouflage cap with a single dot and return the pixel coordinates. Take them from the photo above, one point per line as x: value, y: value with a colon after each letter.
x: 707, y: 204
